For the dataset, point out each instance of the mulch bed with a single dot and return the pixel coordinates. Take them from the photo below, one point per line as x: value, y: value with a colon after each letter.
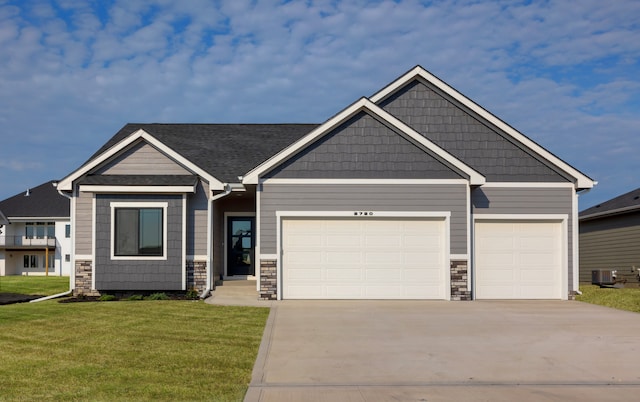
x: 11, y: 298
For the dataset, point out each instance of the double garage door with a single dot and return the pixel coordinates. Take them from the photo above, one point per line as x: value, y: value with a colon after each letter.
x: 364, y: 258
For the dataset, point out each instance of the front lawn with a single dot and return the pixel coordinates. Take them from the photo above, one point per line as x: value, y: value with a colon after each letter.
x: 128, y: 350
x: 621, y: 299
x: 34, y: 285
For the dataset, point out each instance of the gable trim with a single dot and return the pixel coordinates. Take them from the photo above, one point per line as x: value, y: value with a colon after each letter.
x: 253, y: 177
x: 138, y: 189
x: 67, y: 183
x: 582, y: 181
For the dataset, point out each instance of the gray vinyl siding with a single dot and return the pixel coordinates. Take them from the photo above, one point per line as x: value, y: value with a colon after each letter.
x: 363, y: 147
x: 83, y: 230
x: 609, y: 243
x: 197, y: 213
x: 363, y: 197
x: 461, y: 133
x: 527, y: 201
x: 142, y: 159
x: 138, y: 274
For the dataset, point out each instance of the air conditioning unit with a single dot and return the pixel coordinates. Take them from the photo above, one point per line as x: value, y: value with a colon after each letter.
x: 603, y: 277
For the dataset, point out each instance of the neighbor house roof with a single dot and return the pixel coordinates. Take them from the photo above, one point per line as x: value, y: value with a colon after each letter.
x: 624, y: 203
x: 42, y: 201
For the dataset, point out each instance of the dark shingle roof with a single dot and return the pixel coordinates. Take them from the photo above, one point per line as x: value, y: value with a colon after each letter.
x: 225, y: 151
x: 623, y: 203
x: 140, y: 180
x: 42, y: 201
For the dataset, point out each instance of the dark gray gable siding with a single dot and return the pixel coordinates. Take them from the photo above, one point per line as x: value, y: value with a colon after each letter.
x: 461, y: 134
x: 609, y: 243
x: 138, y: 274
x: 363, y: 148
x: 359, y: 197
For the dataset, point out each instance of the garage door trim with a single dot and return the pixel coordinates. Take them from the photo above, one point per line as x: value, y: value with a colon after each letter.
x: 367, y: 215
x: 557, y: 218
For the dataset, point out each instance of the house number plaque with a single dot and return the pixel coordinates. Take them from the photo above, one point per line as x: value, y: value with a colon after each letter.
x: 362, y: 213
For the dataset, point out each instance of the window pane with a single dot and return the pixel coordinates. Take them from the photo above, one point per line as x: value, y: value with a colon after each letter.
x: 29, y: 231
x: 34, y: 261
x: 151, y: 231
x: 25, y: 261
x: 126, y: 241
x: 40, y: 230
x: 67, y: 231
x: 51, y: 231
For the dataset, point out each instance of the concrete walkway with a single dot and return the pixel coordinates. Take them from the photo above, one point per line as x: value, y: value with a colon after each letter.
x: 444, y: 351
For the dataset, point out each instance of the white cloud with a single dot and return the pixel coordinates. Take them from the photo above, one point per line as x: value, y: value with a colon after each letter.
x: 564, y: 75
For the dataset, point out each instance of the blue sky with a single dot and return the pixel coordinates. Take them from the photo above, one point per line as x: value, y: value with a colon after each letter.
x: 564, y: 73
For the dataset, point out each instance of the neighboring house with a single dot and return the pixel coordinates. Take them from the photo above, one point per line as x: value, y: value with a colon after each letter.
x: 610, y: 236
x: 35, y: 233
x: 414, y: 193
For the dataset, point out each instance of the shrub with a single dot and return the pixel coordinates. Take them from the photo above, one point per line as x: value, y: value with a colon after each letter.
x: 192, y: 294
x: 135, y: 297
x: 107, y: 297
x: 157, y: 296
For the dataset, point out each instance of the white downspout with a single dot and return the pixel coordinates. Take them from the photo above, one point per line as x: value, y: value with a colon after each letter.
x: 226, y: 192
x: 576, y: 237
x: 72, y: 269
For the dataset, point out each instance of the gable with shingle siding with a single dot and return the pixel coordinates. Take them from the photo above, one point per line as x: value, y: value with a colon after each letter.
x: 364, y: 148
x: 464, y: 136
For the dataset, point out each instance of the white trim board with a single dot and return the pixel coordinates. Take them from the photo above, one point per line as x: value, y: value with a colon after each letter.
x: 363, y: 181
x: 419, y: 73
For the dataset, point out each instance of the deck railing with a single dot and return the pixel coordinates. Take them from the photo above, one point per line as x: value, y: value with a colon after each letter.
x: 28, y: 242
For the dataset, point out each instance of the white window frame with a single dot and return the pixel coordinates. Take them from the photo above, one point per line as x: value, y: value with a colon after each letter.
x: 132, y: 204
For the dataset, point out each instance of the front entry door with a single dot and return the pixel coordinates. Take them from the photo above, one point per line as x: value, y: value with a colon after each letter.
x: 240, y: 245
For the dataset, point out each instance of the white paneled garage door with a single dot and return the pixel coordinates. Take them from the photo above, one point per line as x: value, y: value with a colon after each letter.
x: 364, y: 258
x: 518, y: 259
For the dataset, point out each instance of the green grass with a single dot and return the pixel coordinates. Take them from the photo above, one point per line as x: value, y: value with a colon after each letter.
x: 34, y: 285
x: 128, y: 350
x: 621, y: 299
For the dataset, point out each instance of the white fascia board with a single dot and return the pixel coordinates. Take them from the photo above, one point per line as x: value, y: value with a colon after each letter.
x: 363, y: 104
x: 67, y: 183
x: 138, y: 189
x: 582, y: 181
x: 365, y: 181
x: 496, y: 184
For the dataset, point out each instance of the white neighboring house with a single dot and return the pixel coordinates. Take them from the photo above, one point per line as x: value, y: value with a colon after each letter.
x: 35, y: 233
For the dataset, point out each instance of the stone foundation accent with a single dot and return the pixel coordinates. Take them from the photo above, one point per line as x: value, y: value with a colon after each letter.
x: 268, y: 280
x: 459, y: 280
x: 196, y: 275
x: 572, y: 295
x: 83, y: 279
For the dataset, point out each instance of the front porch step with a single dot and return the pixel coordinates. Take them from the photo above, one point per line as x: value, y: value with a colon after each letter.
x: 237, y: 288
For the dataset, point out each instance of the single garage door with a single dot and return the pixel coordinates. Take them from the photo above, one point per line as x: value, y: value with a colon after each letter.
x: 364, y: 258
x: 518, y: 259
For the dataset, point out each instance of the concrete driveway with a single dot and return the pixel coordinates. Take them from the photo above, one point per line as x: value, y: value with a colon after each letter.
x: 443, y: 351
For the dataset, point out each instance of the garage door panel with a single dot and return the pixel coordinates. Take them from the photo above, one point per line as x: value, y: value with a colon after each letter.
x: 343, y: 273
x: 526, y: 265
x: 365, y: 258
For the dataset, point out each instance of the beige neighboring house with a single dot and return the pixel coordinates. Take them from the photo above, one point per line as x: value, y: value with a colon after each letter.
x: 35, y: 233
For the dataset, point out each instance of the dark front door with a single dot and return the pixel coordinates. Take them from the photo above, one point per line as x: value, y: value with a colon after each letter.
x: 240, y: 245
